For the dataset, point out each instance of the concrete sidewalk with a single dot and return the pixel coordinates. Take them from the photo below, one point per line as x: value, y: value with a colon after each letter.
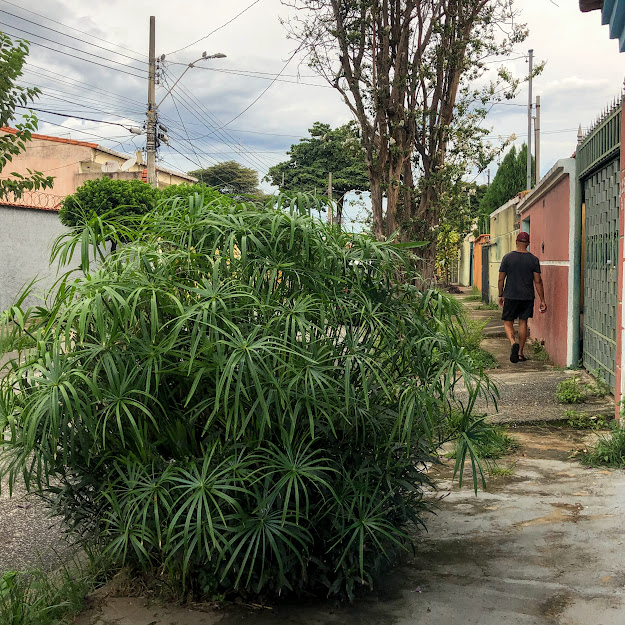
x: 527, y: 389
x: 543, y: 546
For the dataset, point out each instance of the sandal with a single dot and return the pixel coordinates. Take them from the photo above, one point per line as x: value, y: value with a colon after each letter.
x: 514, y: 353
x: 522, y: 358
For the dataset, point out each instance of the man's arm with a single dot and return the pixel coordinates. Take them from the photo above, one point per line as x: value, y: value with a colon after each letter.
x: 500, y: 283
x: 540, y: 290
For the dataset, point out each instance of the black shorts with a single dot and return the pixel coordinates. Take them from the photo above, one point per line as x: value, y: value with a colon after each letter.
x: 517, y: 309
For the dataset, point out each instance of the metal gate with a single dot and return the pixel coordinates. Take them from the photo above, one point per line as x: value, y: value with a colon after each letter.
x: 599, y: 173
x: 485, y: 274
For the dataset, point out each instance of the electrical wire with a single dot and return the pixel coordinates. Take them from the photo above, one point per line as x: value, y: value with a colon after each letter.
x: 116, y: 69
x: 87, y: 119
x: 82, y: 32
x: 95, y: 45
x: 216, y: 29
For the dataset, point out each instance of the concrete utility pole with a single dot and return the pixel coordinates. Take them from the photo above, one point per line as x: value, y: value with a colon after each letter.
x: 537, y: 139
x: 151, y: 117
x: 529, y: 123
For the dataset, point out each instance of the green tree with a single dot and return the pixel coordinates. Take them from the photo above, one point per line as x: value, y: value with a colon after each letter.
x: 12, y: 96
x: 230, y: 177
x: 510, y: 179
x: 337, y: 151
x: 104, y: 196
x: 241, y: 400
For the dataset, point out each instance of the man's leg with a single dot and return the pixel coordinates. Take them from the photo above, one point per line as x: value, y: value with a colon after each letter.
x: 509, y: 328
x: 522, y: 335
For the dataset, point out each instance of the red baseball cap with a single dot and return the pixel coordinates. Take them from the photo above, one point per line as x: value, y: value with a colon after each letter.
x: 523, y: 237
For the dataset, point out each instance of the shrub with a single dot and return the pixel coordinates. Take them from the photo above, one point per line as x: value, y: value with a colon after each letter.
x: 104, y: 196
x: 242, y: 400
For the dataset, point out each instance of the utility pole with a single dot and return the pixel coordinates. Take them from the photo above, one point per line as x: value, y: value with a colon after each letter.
x: 151, y: 118
x: 529, y: 123
x: 537, y: 139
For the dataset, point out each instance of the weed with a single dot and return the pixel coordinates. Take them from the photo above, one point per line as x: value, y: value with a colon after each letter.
x: 539, y: 351
x: 498, y: 471
x: 488, y: 306
x: 581, y: 421
x: 598, y: 387
x: 571, y: 391
x: 471, y: 338
x: 34, y: 597
x: 609, y: 450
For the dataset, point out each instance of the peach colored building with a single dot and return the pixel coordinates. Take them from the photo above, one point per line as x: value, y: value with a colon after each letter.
x: 74, y: 162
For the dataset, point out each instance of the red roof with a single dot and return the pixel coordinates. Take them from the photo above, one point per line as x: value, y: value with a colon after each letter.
x: 57, y: 139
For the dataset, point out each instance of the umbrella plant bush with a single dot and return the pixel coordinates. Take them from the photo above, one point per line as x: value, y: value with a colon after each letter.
x: 241, y: 400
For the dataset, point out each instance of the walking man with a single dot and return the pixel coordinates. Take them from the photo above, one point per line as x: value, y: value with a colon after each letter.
x: 519, y: 275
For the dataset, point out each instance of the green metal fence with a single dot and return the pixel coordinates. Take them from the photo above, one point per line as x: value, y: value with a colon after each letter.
x: 599, y: 167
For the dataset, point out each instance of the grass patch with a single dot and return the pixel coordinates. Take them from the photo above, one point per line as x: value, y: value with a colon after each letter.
x: 488, y: 306
x: 499, y: 471
x: 581, y: 421
x: 34, y: 597
x: 609, y: 450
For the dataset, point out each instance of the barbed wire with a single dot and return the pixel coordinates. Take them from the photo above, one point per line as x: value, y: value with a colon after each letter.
x: 36, y: 199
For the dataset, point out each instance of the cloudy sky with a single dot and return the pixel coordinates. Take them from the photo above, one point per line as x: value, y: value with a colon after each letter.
x: 90, y: 60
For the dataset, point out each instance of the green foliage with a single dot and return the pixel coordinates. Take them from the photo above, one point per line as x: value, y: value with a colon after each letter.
x: 448, y: 244
x: 510, y: 179
x: 105, y: 196
x: 327, y: 150
x: 240, y: 400
x: 12, y: 96
x: 488, y: 306
x: 581, y: 421
x: 482, y: 442
x: 35, y: 597
x: 609, y: 450
x: 598, y: 387
x: 230, y: 178
x: 571, y: 391
x: 574, y: 391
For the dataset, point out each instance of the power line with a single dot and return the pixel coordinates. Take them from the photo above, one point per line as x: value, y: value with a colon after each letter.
x: 87, y: 119
x: 191, y: 100
x: 216, y: 29
x: 82, y: 32
x: 41, y: 45
x: 95, y: 45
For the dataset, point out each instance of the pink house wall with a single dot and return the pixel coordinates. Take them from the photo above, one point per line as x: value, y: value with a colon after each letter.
x: 548, y: 218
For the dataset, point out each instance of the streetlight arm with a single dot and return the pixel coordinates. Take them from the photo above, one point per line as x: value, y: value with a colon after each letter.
x: 219, y: 55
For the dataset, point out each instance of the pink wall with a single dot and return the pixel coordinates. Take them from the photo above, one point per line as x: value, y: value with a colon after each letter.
x: 549, y: 241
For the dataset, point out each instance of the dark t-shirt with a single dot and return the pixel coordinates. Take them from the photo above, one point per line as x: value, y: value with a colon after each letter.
x: 519, y: 268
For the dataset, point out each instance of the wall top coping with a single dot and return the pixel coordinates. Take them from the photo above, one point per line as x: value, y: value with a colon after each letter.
x: 563, y: 167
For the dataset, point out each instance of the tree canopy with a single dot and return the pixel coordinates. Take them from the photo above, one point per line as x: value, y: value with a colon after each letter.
x: 230, y: 177
x: 12, y: 58
x: 510, y: 179
x: 337, y: 151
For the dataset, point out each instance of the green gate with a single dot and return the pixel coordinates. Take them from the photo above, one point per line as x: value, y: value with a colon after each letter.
x: 599, y: 169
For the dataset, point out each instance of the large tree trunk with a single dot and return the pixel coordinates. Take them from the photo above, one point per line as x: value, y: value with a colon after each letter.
x: 376, y: 207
